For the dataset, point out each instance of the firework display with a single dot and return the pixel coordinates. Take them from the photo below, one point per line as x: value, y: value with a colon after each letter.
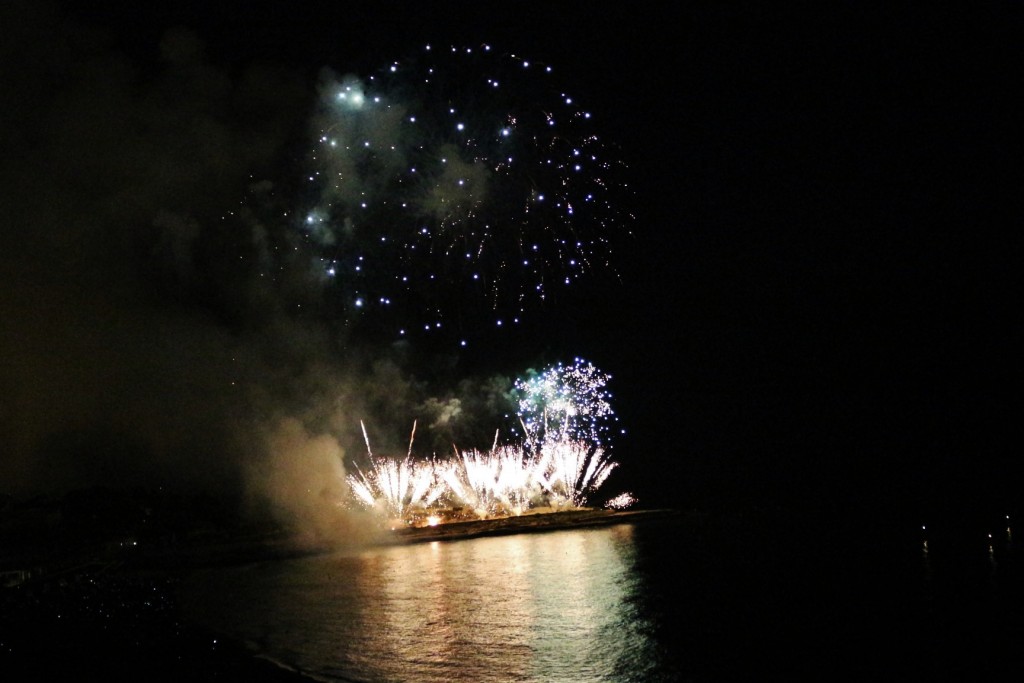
x: 507, y: 481
x: 559, y: 466
x: 565, y: 403
x: 457, y: 189
x: 455, y: 192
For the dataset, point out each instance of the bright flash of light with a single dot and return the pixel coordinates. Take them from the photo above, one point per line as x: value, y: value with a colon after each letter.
x: 560, y: 461
x: 565, y: 403
x: 621, y: 501
x: 395, y: 487
x: 570, y: 470
x: 505, y: 481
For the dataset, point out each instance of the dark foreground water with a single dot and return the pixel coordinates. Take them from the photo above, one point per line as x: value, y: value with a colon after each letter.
x: 665, y: 600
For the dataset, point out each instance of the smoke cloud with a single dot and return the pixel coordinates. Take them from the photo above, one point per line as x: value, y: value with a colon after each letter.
x: 135, y: 350
x: 163, y: 323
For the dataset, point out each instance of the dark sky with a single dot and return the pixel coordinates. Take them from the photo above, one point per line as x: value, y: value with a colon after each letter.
x: 815, y: 308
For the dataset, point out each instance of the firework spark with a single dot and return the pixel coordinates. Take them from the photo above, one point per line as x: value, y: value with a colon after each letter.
x: 570, y: 470
x: 507, y: 481
x: 565, y: 403
x: 457, y: 184
x: 395, y: 487
x: 559, y: 464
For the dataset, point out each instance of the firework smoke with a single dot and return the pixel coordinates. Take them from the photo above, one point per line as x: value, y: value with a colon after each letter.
x: 169, y: 318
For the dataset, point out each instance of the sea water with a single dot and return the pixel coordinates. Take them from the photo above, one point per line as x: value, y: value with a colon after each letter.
x: 657, y: 600
x: 572, y: 605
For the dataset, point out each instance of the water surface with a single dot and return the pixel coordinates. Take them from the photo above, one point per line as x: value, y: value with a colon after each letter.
x: 675, y: 599
x: 558, y: 606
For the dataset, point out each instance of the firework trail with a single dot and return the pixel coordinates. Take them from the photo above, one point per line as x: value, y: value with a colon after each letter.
x: 569, y: 471
x: 507, y: 481
x: 395, y: 487
x: 472, y: 479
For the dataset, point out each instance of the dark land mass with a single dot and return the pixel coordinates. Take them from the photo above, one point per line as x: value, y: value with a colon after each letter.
x: 106, y: 609
x: 547, y: 521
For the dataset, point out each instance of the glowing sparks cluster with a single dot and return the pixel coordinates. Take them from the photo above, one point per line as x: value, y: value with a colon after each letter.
x: 396, y: 487
x: 457, y: 184
x: 505, y: 481
x: 565, y: 403
x: 559, y: 465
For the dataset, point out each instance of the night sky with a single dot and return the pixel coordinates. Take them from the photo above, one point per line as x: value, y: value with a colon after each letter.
x: 814, y: 308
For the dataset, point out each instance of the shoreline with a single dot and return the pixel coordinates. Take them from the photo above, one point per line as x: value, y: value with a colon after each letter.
x: 120, y: 621
x: 527, y: 523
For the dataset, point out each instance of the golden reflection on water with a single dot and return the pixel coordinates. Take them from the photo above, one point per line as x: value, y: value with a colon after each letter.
x: 522, y: 607
x: 530, y: 607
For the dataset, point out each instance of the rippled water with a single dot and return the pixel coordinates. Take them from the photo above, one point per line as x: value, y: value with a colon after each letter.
x: 558, y: 606
x: 658, y: 600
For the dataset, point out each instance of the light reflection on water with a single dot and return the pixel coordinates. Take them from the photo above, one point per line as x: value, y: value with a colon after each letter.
x: 559, y: 606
